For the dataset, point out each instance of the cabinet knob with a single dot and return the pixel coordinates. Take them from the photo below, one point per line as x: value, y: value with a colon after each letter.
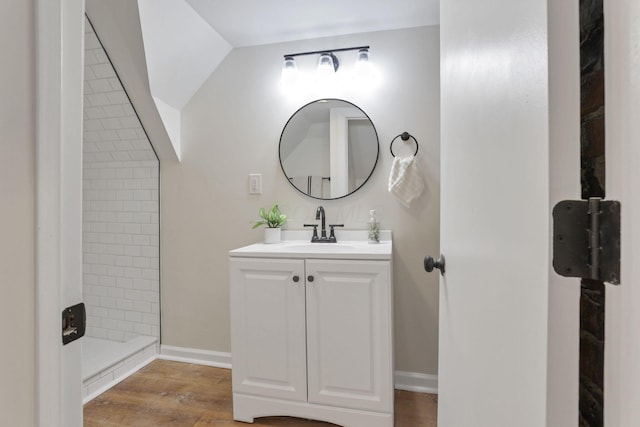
x: 310, y: 278
x: 296, y: 279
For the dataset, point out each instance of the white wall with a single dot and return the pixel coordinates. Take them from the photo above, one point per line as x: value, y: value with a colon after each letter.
x: 121, y: 259
x: 232, y: 127
x: 17, y: 215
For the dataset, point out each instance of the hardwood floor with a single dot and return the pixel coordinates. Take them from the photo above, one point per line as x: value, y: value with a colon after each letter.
x: 185, y: 395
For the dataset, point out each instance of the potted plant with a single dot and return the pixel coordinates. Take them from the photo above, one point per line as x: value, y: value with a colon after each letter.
x: 273, y: 219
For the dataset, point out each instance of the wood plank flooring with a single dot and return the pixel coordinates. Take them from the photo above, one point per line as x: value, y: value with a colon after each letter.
x: 179, y: 394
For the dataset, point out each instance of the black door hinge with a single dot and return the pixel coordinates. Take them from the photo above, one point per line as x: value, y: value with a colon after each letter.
x: 586, y: 239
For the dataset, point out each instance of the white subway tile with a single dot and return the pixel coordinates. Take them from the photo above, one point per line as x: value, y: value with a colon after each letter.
x: 124, y: 239
x: 130, y: 122
x: 126, y: 327
x: 116, y: 314
x: 115, y: 227
x: 103, y: 71
x: 151, y: 319
x: 124, y: 261
x: 142, y: 329
x: 114, y: 110
x: 107, y: 282
x: 125, y: 217
x: 142, y: 284
x: 133, y: 316
x: 124, y: 282
x: 111, y: 123
x: 109, y: 135
x: 115, y: 249
x: 132, y: 250
x: 125, y: 304
x: 128, y: 135
x: 100, y: 85
x: 150, y: 251
x: 133, y: 184
x: 108, y: 302
x: 101, y: 57
x: 97, y: 99
x: 116, y: 292
x: 149, y: 206
x: 133, y: 228
x: 121, y: 155
x: 142, y: 306
x: 116, y: 97
x: 141, y: 262
x: 115, y: 271
x: 151, y: 229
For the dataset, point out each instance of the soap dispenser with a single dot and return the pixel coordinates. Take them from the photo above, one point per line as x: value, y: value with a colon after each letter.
x: 374, y: 228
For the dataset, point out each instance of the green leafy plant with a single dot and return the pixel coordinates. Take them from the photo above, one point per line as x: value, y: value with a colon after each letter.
x: 272, y: 218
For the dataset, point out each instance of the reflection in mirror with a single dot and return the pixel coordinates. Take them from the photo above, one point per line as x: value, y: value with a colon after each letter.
x: 328, y: 149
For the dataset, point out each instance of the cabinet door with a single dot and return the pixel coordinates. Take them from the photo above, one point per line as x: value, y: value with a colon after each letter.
x: 349, y: 338
x: 268, y: 327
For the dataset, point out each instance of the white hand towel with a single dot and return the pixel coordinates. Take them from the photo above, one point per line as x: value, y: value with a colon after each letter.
x: 405, y: 181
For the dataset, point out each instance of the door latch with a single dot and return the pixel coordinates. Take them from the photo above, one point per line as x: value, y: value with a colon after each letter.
x: 74, y: 323
x: 586, y: 239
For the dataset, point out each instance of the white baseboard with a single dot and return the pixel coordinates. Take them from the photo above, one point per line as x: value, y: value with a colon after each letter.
x: 409, y: 381
x: 194, y: 355
x: 416, y: 382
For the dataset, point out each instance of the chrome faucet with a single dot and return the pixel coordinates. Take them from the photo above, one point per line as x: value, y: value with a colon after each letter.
x: 323, y: 232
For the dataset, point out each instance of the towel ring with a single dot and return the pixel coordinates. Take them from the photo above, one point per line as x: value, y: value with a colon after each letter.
x: 405, y: 137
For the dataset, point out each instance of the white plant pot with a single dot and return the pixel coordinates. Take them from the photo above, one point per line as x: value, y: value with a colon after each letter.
x: 272, y: 235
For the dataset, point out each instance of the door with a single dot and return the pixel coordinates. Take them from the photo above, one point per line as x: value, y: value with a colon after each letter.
x: 349, y: 334
x: 622, y: 91
x: 268, y: 338
x: 495, y: 211
x: 59, y: 208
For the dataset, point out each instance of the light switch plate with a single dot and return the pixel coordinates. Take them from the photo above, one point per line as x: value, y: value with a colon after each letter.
x: 255, y: 183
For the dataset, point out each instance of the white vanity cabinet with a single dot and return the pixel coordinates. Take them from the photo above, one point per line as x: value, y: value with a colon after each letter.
x: 312, y: 338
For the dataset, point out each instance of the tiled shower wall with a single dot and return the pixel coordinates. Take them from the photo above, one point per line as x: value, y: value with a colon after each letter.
x: 120, y: 208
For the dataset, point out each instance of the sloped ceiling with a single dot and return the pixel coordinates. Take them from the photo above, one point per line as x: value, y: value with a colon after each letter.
x: 257, y: 22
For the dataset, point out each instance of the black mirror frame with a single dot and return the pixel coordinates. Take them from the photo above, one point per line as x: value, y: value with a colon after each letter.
x: 375, y: 163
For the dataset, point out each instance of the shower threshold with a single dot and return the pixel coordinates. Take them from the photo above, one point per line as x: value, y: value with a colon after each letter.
x: 106, y: 363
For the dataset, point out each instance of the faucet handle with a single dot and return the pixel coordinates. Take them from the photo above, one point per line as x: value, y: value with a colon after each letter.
x: 315, y: 230
x: 333, y: 234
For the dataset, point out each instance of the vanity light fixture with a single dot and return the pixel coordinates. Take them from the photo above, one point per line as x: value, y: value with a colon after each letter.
x: 328, y: 62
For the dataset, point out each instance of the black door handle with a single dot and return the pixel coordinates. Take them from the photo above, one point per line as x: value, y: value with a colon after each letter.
x: 430, y: 264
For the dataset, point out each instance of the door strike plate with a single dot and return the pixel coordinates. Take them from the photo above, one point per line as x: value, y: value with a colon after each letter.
x: 586, y: 239
x: 74, y: 323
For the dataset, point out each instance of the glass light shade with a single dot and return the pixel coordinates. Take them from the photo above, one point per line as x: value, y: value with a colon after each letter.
x: 289, y: 71
x: 363, y: 67
x: 326, y: 65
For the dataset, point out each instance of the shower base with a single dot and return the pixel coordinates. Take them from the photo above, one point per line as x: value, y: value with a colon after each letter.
x: 106, y: 363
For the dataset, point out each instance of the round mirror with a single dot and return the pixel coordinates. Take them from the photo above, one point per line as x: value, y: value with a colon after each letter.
x: 328, y: 149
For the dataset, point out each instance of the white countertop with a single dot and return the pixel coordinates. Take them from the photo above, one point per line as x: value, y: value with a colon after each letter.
x: 297, y: 244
